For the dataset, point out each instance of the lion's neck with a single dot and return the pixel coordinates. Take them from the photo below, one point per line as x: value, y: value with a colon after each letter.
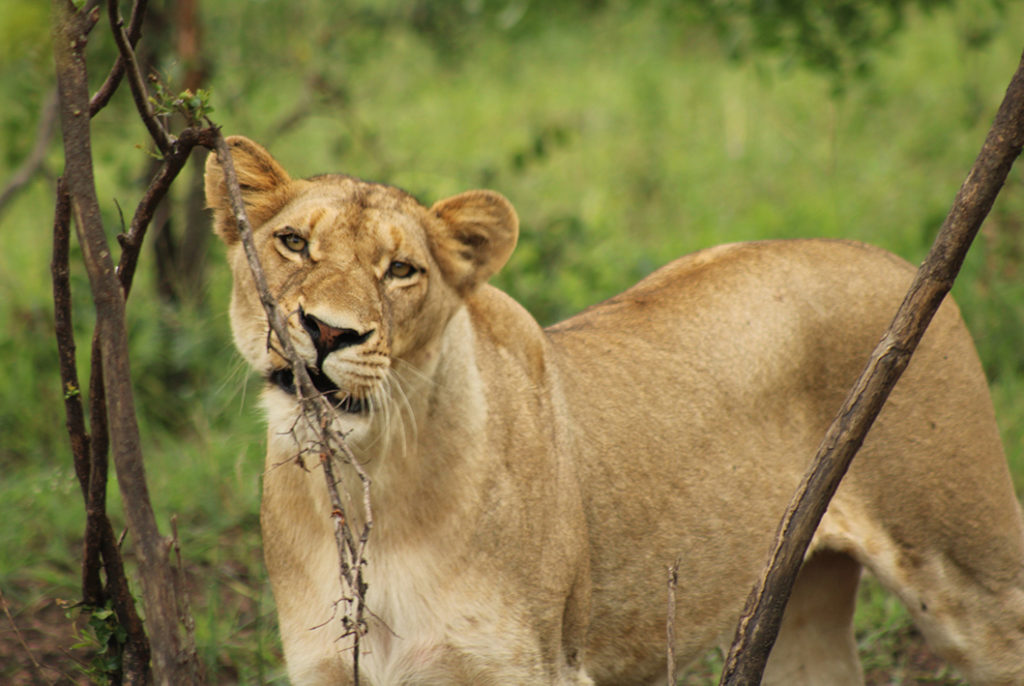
x: 441, y: 416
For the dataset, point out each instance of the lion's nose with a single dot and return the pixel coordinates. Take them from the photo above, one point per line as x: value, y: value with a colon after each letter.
x: 327, y: 338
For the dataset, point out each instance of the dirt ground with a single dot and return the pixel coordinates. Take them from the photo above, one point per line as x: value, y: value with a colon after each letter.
x: 36, y: 646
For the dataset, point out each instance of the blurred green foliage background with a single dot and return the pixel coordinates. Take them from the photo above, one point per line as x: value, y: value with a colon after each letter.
x: 625, y: 132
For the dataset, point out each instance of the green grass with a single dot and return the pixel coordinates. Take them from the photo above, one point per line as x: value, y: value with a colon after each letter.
x: 623, y: 141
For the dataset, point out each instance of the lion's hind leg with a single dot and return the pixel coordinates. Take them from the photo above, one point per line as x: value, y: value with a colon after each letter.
x: 971, y: 612
x: 960, y: 575
x: 816, y: 644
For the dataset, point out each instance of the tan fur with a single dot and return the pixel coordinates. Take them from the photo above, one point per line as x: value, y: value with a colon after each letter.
x: 531, y: 486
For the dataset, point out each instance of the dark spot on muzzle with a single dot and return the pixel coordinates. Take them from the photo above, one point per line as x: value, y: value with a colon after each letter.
x: 343, y: 402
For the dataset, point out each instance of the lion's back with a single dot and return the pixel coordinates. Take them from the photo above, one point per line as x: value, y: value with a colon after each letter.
x: 764, y: 318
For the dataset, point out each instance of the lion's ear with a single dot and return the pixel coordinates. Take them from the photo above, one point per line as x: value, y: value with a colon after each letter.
x: 475, y: 237
x: 263, y: 182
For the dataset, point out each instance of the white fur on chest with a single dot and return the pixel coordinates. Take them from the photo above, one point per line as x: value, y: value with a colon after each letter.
x: 421, y: 631
x: 407, y: 602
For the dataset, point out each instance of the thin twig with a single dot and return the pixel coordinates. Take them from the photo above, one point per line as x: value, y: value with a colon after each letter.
x: 184, y: 609
x: 106, y: 91
x: 99, y: 451
x: 64, y: 328
x: 81, y: 443
x: 174, y: 161
x: 45, y: 129
x: 759, y: 624
x: 135, y: 82
x: 670, y: 623
x: 36, y: 667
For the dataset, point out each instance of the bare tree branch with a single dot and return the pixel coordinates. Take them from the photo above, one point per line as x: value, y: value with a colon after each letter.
x: 173, y: 162
x: 174, y: 661
x: 75, y: 415
x: 670, y: 624
x: 100, y: 542
x: 759, y: 624
x: 90, y: 452
x: 319, y: 413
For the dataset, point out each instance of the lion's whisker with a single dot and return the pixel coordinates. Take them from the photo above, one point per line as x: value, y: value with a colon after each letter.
x: 404, y: 405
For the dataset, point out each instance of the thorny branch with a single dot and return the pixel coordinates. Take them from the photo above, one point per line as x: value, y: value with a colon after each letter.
x: 759, y: 624
x: 320, y: 414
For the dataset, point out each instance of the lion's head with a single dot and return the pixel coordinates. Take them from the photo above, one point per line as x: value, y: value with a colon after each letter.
x: 366, y: 276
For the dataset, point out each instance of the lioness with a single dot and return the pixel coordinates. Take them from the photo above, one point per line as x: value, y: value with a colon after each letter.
x: 530, y: 486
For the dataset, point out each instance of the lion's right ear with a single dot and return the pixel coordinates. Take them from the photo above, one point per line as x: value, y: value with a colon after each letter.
x: 474, y: 238
x: 263, y: 182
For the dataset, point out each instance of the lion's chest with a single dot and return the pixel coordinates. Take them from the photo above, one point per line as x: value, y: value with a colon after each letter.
x: 429, y: 623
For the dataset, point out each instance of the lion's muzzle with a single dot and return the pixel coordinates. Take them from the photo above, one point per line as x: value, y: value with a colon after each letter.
x: 326, y: 338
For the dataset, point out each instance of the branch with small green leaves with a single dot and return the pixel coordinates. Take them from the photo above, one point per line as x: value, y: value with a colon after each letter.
x: 136, y: 84
x: 194, y: 107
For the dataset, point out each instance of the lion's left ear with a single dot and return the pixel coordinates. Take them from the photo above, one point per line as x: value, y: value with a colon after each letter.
x: 474, y: 238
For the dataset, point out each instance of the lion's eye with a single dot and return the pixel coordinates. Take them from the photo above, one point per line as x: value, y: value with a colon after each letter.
x: 292, y: 241
x: 401, y: 270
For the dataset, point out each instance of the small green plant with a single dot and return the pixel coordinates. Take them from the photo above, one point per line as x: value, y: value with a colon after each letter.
x: 71, y: 391
x: 104, y: 638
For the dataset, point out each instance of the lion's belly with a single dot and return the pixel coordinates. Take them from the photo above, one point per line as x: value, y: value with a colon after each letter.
x: 717, y: 526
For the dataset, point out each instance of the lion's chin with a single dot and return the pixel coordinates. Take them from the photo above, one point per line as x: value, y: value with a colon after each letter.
x: 342, y: 401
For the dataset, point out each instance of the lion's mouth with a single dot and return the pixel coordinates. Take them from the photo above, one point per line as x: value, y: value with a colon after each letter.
x: 343, y: 401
